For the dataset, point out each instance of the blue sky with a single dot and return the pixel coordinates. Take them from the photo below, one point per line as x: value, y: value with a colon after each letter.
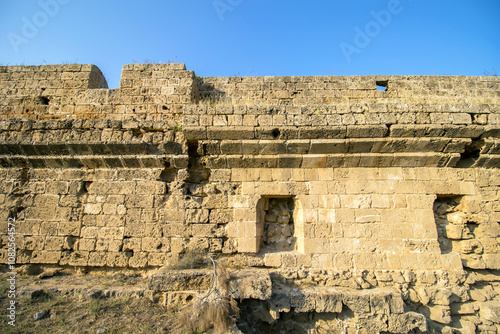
x: 257, y: 37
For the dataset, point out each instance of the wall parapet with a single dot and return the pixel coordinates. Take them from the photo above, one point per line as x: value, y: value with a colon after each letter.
x: 160, y: 91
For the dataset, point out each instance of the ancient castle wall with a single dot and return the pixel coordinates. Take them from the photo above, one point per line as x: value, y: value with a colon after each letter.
x: 319, y: 174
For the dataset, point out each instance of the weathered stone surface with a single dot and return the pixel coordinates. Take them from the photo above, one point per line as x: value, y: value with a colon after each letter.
x: 490, y: 311
x: 324, y: 181
x: 250, y: 284
x: 178, y: 280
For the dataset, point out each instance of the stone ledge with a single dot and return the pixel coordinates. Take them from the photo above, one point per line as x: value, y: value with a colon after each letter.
x: 92, y: 162
x: 336, y: 146
x: 89, y: 148
x: 242, y: 284
x: 409, y: 159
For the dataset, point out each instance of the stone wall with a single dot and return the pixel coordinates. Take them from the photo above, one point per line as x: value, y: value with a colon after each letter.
x: 323, y: 181
x: 318, y: 90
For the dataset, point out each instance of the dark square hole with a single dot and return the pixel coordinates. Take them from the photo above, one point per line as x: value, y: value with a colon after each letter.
x: 382, y: 85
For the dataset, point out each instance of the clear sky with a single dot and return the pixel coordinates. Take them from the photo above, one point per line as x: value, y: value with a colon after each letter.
x: 257, y: 37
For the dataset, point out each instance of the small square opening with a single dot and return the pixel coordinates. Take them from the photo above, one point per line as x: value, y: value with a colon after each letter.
x: 382, y: 85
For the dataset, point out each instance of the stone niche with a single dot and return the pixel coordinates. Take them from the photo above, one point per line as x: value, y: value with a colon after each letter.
x: 276, y: 219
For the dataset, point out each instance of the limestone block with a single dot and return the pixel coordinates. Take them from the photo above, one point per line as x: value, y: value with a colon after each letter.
x: 328, y: 302
x: 492, y: 261
x: 221, y: 216
x: 466, y: 326
x: 238, y: 175
x: 157, y: 259
x: 356, y: 201
x: 367, y: 215
x: 45, y: 257
x: 138, y: 260
x: 487, y: 230
x: 467, y: 188
x: 248, y: 245
x: 281, y: 174
x: 406, y: 322
x: 76, y: 258
x: 89, y: 232
x: 326, y: 146
x: 102, y: 245
x: 420, y: 201
x: 199, y: 216
x: 344, y: 215
x: 44, y: 212
x: 438, y: 313
x: 366, y: 131
x: 178, y: 245
x: 150, y: 187
x: 384, y: 302
x: 117, y: 259
x: 204, y: 230
x: 248, y: 188
x: 458, y: 218
x: 86, y: 245
x: 381, y: 201
x: 326, y: 216
x: 176, y: 230
x: 473, y: 261
x: 329, y: 201
x: 153, y: 230
x: 139, y: 201
x: 97, y: 259
x: 303, y: 260
x: 262, y: 174
x: 69, y: 228
x: 464, y: 308
x: 273, y: 260
x: 321, y: 260
x: 314, y: 161
x: 53, y: 243
x: 110, y: 233
x: 220, y: 175
x: 490, y: 311
x: 457, y: 232
x: 289, y: 260
x: 132, y: 244
x: 56, y: 187
x: 395, y: 260
x: 489, y: 245
x: 110, y: 220
x: 357, y: 302
x: 46, y: 200
x: 93, y: 208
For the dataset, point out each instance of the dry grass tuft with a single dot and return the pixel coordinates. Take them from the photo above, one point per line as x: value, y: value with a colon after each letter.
x: 215, y: 308
x: 189, y: 260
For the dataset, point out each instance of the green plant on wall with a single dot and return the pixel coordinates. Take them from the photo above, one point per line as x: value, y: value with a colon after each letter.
x: 175, y: 128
